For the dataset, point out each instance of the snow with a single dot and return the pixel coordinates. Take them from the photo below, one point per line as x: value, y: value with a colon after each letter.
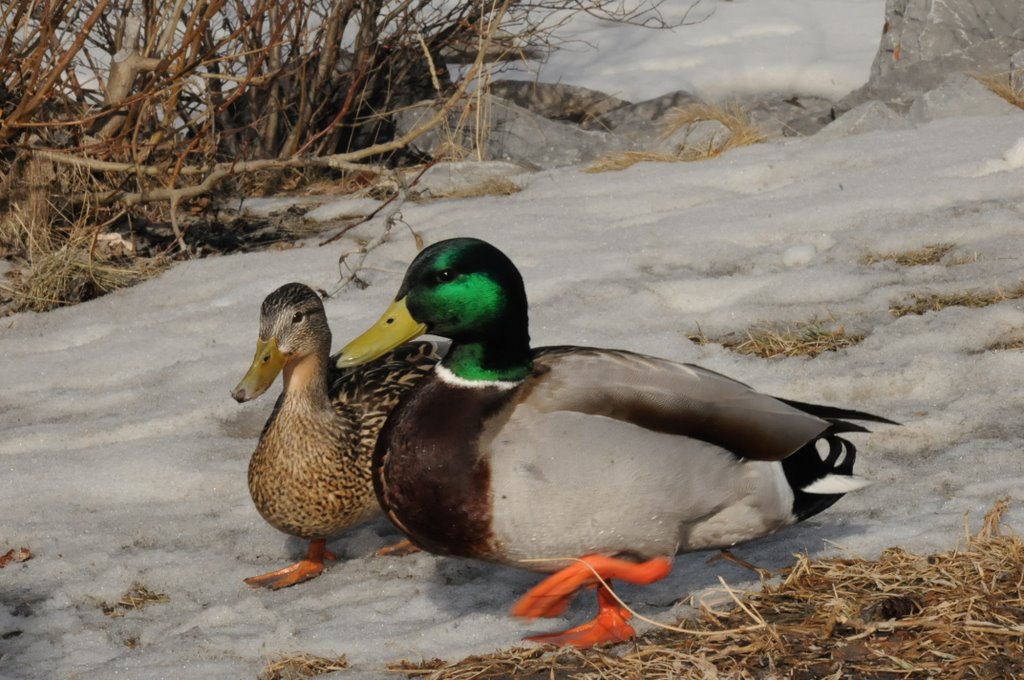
x: 722, y: 48
x: 124, y: 458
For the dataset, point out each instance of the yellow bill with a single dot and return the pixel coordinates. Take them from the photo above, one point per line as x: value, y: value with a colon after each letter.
x: 391, y: 330
x: 267, y: 363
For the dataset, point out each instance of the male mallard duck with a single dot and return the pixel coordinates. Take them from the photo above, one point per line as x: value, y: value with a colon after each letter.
x: 531, y: 458
x: 310, y: 473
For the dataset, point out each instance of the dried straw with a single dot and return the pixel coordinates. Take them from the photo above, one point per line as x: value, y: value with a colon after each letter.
x: 951, y: 615
x: 808, y: 339
x: 301, y: 665
x: 921, y: 303
x: 1002, y: 85
x: 925, y: 255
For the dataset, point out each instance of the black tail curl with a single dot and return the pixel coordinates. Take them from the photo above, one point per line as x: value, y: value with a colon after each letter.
x: 808, y: 465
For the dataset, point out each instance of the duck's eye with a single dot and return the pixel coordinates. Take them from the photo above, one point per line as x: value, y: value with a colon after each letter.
x: 297, y: 317
x: 446, y: 275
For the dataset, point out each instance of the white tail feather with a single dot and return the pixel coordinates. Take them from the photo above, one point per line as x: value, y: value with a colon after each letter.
x: 832, y: 484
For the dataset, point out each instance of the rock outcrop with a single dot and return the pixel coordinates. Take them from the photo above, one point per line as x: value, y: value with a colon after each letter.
x: 924, y: 42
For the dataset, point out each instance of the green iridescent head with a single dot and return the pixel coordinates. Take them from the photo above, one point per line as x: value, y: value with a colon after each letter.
x: 464, y: 289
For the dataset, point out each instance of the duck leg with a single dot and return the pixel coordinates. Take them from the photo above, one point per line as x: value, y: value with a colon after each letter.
x: 608, y: 626
x: 303, y: 570
x: 400, y: 549
x: 551, y: 596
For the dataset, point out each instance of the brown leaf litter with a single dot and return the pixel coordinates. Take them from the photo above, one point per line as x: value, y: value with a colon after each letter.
x: 12, y: 555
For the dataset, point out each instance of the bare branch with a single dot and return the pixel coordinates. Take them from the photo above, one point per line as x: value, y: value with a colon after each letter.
x: 141, y: 103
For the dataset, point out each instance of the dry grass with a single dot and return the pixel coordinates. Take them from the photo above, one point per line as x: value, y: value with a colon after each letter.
x: 952, y: 615
x: 301, y: 665
x: 963, y: 258
x: 803, y: 340
x: 1001, y: 85
x: 932, y: 302
x: 61, y: 261
x: 493, y: 186
x: 1013, y: 343
x: 929, y: 254
x: 620, y: 161
x: 742, y: 133
x: 69, y: 275
x: 137, y: 597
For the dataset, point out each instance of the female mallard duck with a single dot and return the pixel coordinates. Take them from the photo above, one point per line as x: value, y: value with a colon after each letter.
x: 532, y: 458
x: 310, y: 473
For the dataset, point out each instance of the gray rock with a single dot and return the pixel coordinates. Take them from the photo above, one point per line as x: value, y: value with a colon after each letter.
x: 557, y: 101
x: 925, y: 41
x: 506, y: 132
x: 774, y: 116
x: 867, y: 117
x: 636, y: 115
x: 449, y: 178
x: 788, y: 116
x: 960, y: 95
x: 899, y: 88
x: 643, y: 126
x: 640, y: 135
x: 923, y: 30
x: 696, y: 139
x: 1017, y: 72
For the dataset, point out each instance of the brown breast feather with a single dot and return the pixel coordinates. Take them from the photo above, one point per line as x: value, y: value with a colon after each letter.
x: 428, y: 472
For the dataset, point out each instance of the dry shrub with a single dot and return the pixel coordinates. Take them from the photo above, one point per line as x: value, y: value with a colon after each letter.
x: 929, y: 254
x: 742, y: 132
x: 167, y: 103
x: 473, y: 115
x: 932, y: 302
x: 73, y: 273
x: 802, y: 340
x: 63, y: 254
x: 301, y: 665
x: 82, y: 266
x: 953, y: 615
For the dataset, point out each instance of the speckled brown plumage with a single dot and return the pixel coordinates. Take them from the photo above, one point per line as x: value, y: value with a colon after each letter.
x: 310, y: 473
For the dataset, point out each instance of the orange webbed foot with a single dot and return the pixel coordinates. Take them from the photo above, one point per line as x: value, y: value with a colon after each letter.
x: 303, y: 570
x: 608, y: 626
x: 400, y: 549
x: 551, y: 596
